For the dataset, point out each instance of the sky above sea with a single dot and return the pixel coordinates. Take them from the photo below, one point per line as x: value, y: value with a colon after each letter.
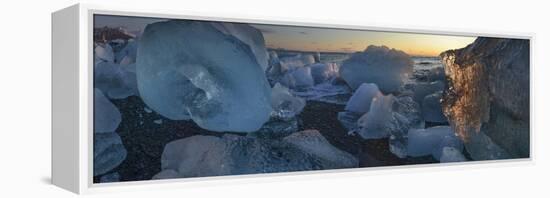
x: 322, y: 39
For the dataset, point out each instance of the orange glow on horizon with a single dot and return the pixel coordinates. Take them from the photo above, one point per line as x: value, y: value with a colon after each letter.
x: 340, y: 40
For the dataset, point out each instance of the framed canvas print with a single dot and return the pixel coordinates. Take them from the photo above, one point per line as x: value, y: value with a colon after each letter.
x: 144, y: 98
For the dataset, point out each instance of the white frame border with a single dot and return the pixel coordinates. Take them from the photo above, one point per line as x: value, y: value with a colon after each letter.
x: 85, y: 177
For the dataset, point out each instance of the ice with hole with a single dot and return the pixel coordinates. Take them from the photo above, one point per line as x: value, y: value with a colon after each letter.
x: 377, y: 64
x: 284, y: 103
x: 201, y: 155
x: 190, y: 69
x: 361, y: 99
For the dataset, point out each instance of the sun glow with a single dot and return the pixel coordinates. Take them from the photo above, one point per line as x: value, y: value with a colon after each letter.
x: 341, y: 40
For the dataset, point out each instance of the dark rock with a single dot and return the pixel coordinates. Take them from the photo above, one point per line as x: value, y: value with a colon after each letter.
x: 488, y: 91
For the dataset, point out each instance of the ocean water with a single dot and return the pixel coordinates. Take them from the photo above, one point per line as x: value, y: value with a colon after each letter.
x: 422, y: 63
x: 421, y: 67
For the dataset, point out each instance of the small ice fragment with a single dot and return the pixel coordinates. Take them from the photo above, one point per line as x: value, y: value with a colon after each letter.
x: 284, y: 103
x: 112, y: 177
x: 109, y: 152
x: 428, y: 141
x: 431, y: 108
x: 147, y: 110
x: 298, y: 79
x: 108, y: 117
x: 104, y: 52
x: 451, y: 154
x: 361, y: 99
x: 375, y: 123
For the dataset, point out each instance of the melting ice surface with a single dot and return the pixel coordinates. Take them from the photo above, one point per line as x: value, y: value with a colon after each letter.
x: 377, y: 64
x: 309, y: 77
x: 284, y: 103
x: 116, y: 81
x: 231, y: 154
x: 431, y: 141
x: 188, y: 69
x: 108, y: 117
x: 360, y: 100
x: 109, y: 151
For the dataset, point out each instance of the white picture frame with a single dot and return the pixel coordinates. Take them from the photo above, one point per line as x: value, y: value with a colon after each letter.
x: 72, y: 101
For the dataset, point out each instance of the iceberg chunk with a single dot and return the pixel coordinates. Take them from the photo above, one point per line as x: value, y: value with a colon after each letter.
x: 274, y: 71
x: 452, y: 141
x: 116, y: 81
x: 407, y: 107
x: 428, y: 141
x: 112, y: 177
x: 248, y: 35
x: 166, y: 174
x: 299, y: 79
x: 199, y: 156
x: 313, y: 143
x: 431, y: 108
x: 290, y: 63
x: 436, y: 74
x: 284, y: 104
x: 276, y: 127
x: 398, y: 146
x: 107, y: 116
x: 481, y: 147
x: 376, y: 123
x: 422, y: 89
x: 377, y: 64
x: 190, y: 69
x: 451, y: 154
x: 361, y: 99
x: 104, y: 52
x: 349, y: 120
x: 194, y: 156
x: 109, y: 152
x: 322, y: 72
x: 128, y: 54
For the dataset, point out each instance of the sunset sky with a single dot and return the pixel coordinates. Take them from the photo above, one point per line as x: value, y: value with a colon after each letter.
x: 324, y: 39
x: 339, y: 40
